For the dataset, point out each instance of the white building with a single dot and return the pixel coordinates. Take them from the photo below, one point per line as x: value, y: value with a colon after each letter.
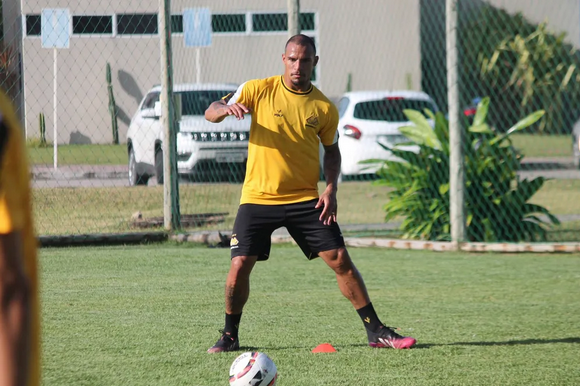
x: 377, y: 42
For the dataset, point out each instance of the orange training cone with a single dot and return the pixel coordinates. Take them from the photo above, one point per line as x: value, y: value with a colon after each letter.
x: 324, y: 347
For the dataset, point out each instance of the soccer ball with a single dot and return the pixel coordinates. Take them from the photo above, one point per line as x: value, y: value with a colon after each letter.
x: 253, y: 369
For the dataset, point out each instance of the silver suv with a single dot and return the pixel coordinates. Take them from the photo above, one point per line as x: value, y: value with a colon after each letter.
x: 205, y: 150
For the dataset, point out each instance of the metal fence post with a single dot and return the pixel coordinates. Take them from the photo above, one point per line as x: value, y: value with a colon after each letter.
x: 293, y: 17
x: 170, y: 180
x: 456, y: 165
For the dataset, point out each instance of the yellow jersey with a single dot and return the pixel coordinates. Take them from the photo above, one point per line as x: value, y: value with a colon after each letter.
x: 283, y: 165
x: 16, y: 215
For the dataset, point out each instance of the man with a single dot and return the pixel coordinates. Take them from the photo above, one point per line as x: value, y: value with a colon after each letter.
x: 289, y: 118
x: 19, y: 311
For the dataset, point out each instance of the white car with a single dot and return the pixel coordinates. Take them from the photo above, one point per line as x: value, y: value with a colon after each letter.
x: 367, y: 118
x: 203, y: 148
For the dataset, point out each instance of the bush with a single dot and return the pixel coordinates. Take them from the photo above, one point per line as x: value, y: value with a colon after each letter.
x: 523, y: 66
x: 496, y: 202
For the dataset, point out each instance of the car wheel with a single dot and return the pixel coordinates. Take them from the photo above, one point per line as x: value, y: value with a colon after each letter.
x: 134, y: 177
x: 159, y: 165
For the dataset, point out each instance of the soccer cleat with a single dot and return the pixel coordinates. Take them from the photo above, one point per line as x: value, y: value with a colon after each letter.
x: 386, y: 337
x: 225, y: 343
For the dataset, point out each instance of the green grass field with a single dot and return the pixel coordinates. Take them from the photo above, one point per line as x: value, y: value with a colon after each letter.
x: 60, y: 211
x: 146, y: 315
x: 543, y: 145
x: 529, y: 145
x: 79, y: 155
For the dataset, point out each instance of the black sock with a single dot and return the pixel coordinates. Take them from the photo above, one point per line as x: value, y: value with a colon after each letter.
x: 232, y: 324
x: 369, y: 317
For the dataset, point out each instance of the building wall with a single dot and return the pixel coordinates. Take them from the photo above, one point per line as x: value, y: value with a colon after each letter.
x: 377, y: 41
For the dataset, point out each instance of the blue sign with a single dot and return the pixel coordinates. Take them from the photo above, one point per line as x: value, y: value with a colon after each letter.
x: 55, y: 28
x: 197, y: 27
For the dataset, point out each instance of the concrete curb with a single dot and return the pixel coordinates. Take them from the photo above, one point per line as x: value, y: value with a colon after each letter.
x: 216, y: 238
x: 79, y: 172
x: 67, y: 176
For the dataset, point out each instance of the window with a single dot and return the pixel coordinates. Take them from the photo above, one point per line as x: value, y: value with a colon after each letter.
x: 307, y: 22
x: 389, y: 109
x: 137, y: 24
x: 32, y: 25
x: 269, y: 22
x: 150, y: 100
x: 228, y: 23
x: 196, y: 102
x: 84, y: 25
x: 177, y: 24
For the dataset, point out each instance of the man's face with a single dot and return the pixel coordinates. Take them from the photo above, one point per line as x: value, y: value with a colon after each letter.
x: 299, y: 61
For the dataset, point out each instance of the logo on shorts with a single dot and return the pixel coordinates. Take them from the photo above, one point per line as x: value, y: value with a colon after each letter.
x: 234, y: 242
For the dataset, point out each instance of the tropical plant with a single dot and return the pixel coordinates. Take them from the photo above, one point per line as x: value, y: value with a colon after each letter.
x: 112, y: 106
x: 42, y: 129
x: 523, y: 66
x: 496, y: 202
x: 536, y: 68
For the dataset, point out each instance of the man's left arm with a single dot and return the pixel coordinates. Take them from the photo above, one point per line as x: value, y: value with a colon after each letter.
x: 331, y: 167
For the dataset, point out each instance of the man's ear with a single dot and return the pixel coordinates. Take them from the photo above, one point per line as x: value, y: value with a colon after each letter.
x: 315, y: 61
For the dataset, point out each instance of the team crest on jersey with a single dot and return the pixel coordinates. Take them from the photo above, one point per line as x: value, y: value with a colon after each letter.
x: 278, y: 114
x: 312, y: 121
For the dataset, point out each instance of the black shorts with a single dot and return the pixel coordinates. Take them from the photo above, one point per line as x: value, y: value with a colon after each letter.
x: 255, y: 224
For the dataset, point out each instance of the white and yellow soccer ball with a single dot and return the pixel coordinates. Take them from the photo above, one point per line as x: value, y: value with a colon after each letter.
x: 253, y: 369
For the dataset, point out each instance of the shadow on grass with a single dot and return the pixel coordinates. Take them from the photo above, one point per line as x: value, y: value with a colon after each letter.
x: 507, y: 343
x: 429, y: 345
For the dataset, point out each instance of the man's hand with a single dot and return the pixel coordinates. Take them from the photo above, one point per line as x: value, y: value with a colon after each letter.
x: 328, y: 200
x: 218, y: 110
x: 237, y: 109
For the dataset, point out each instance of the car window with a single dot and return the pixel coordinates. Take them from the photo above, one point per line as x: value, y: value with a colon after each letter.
x: 196, y: 102
x: 389, y: 109
x: 342, y: 105
x: 150, y: 100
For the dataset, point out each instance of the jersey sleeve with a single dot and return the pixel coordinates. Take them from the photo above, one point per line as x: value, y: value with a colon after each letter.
x: 13, y: 182
x: 244, y: 95
x: 329, y: 132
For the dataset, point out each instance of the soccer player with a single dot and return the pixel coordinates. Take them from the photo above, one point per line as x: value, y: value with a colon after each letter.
x: 19, y: 311
x: 290, y: 117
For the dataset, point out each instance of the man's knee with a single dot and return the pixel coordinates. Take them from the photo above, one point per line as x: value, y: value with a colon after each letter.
x: 339, y: 260
x: 243, y: 265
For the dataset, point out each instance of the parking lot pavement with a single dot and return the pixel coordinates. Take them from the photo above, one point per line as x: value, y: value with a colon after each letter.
x: 117, y: 175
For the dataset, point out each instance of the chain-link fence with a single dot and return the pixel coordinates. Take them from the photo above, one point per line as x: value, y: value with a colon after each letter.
x: 85, y: 79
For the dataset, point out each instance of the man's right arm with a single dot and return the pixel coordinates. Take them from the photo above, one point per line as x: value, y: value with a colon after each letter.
x: 14, y: 311
x: 218, y: 110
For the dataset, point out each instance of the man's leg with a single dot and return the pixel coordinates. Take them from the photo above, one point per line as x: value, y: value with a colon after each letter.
x: 238, y: 283
x: 352, y: 286
x: 349, y: 279
x: 250, y: 242
x: 237, y: 294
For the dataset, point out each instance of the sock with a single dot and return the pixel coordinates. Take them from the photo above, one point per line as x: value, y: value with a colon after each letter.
x: 369, y: 317
x: 232, y: 324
